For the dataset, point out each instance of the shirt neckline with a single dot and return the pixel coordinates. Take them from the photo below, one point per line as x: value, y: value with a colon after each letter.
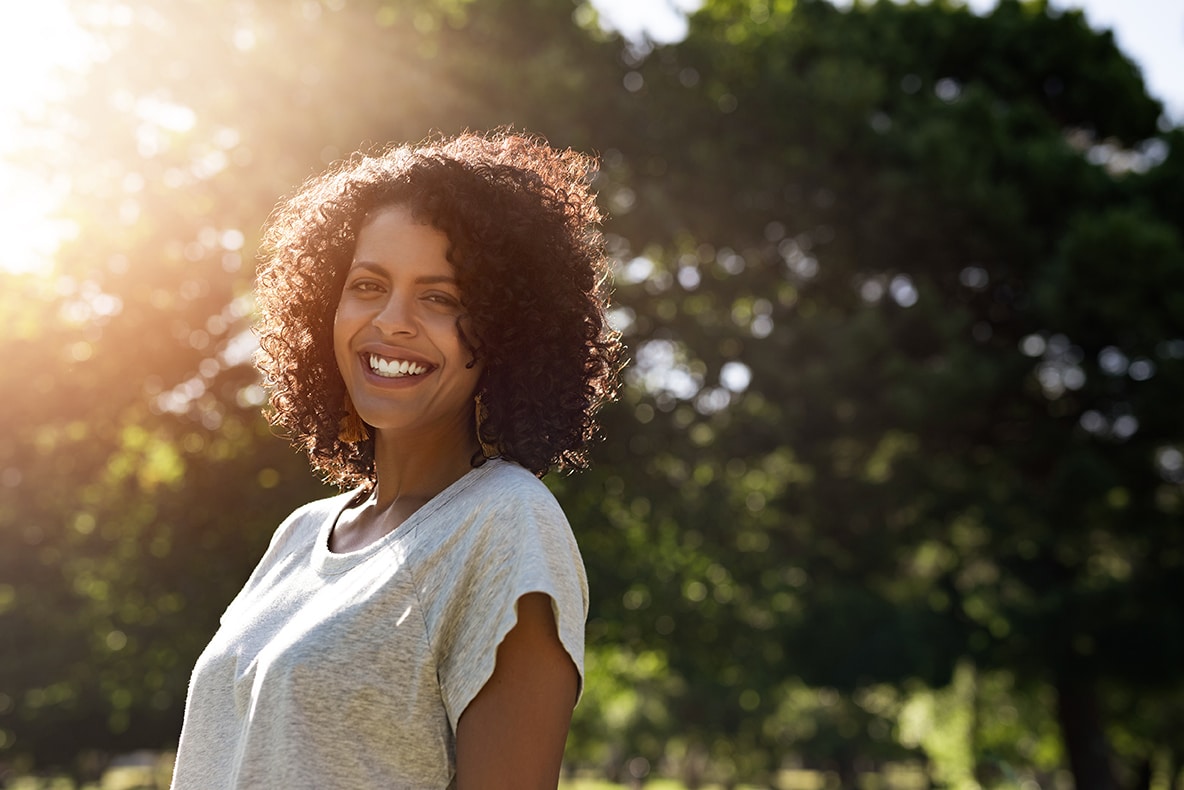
x: 329, y: 562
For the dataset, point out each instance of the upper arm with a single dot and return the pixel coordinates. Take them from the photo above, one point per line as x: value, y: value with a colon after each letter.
x: 513, y: 732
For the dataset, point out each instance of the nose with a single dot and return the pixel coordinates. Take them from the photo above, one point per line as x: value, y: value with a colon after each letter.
x: 396, y: 317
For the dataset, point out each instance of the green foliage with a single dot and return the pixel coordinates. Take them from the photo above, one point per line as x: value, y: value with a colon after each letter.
x: 902, y: 222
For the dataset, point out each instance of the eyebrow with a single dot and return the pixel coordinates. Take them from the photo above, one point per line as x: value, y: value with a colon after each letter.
x: 431, y: 279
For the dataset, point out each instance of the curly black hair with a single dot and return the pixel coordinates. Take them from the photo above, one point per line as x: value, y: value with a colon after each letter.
x: 524, y: 241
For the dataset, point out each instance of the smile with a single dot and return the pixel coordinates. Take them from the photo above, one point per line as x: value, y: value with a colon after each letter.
x: 395, y: 368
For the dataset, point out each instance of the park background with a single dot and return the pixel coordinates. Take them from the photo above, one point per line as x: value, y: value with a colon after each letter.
x: 892, y: 495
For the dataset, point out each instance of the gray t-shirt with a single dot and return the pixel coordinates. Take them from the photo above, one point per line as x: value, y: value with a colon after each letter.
x: 352, y: 670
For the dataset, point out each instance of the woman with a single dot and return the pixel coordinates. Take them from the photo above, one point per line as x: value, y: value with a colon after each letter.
x: 433, y: 331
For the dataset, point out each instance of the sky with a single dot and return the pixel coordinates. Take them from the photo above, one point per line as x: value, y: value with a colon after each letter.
x: 1150, y: 32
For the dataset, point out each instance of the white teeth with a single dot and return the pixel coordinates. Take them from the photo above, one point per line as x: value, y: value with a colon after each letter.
x: 395, y: 368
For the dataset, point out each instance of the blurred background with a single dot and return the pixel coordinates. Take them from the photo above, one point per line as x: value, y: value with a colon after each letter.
x: 892, y: 496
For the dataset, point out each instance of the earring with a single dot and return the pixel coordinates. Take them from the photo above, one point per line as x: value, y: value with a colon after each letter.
x: 488, y: 449
x: 351, y: 429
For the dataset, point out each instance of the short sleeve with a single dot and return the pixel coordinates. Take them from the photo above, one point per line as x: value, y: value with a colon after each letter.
x: 516, y: 542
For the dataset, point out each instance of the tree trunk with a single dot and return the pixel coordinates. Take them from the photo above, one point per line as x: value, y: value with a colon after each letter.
x: 1085, y: 740
x: 694, y: 765
x: 848, y: 775
x: 1144, y: 775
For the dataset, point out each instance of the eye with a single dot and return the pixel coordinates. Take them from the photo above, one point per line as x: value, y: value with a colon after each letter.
x: 364, y: 285
x: 442, y: 299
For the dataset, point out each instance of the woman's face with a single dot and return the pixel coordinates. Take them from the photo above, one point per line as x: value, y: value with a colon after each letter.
x: 395, y: 335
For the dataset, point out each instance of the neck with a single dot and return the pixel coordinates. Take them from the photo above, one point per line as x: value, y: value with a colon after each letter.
x: 412, y: 472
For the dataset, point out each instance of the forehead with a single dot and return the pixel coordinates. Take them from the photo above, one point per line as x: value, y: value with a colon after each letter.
x: 393, y: 236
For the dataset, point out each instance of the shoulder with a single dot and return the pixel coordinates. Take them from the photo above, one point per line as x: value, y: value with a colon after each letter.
x: 306, y: 520
x: 501, y: 509
x: 506, y: 486
x: 518, y: 522
x: 318, y: 510
x: 503, y: 523
x: 508, y: 503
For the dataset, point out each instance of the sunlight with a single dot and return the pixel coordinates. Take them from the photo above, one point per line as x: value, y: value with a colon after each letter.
x: 39, y: 44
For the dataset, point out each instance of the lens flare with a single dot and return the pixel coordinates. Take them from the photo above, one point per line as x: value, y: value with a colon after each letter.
x: 41, y: 48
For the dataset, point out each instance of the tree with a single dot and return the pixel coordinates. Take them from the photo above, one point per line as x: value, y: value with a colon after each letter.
x: 910, y: 347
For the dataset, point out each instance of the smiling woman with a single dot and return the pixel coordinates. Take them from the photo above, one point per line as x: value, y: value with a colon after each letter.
x: 432, y: 326
x: 39, y: 44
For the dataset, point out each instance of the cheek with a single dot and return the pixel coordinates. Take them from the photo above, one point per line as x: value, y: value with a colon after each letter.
x: 466, y: 337
x: 340, y: 337
x: 346, y: 319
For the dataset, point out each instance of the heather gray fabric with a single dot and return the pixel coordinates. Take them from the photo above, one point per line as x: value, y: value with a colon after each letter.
x: 351, y: 670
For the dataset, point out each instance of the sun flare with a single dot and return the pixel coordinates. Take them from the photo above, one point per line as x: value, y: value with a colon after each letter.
x: 40, y: 43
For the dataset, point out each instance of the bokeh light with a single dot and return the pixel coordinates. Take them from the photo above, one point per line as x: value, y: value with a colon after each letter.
x: 41, y: 49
